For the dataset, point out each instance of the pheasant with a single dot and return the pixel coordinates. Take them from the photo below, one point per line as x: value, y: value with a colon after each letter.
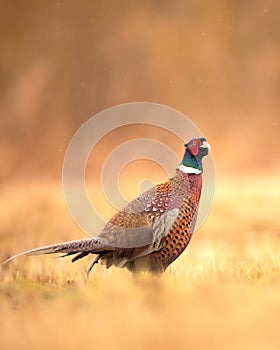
x: 150, y: 232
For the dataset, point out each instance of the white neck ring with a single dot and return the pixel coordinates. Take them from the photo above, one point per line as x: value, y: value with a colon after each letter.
x: 188, y: 169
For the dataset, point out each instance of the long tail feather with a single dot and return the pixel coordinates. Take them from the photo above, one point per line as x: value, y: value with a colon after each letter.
x: 83, y: 247
x: 94, y: 261
x: 79, y: 256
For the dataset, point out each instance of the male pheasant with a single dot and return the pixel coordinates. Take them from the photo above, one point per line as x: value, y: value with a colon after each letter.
x: 152, y: 230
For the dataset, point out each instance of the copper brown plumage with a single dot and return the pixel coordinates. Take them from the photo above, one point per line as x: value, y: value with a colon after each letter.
x: 152, y: 230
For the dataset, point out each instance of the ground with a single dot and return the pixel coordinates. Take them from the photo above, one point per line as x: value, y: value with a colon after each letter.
x: 222, y: 293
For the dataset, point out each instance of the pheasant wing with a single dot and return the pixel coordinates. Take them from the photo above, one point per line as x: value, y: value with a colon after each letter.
x: 145, y: 220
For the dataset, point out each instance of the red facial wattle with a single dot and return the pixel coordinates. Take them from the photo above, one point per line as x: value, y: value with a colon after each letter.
x: 194, y: 150
x: 193, y: 147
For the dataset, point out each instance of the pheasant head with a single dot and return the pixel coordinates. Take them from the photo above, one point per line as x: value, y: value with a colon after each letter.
x: 196, y: 149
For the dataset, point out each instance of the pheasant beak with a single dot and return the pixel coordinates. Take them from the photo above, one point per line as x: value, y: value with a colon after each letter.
x: 205, y: 144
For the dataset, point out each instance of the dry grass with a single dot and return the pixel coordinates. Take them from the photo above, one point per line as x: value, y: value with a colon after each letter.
x: 223, y: 293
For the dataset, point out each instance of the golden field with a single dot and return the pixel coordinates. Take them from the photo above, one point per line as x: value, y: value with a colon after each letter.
x: 222, y: 293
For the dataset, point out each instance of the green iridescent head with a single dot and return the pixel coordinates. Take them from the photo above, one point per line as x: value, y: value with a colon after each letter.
x: 196, y: 149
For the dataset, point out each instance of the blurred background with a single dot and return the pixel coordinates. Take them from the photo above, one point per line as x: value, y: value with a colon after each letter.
x: 63, y: 61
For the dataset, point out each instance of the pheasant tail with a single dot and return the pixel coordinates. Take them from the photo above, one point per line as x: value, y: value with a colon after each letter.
x: 80, y: 247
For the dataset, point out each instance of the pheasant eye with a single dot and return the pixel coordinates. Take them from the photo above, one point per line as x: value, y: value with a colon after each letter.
x: 194, y: 143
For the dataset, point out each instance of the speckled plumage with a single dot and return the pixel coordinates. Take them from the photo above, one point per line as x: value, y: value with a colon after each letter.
x: 152, y: 230
x: 178, y: 198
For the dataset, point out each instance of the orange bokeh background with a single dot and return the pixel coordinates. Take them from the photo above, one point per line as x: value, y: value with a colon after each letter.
x: 62, y: 62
